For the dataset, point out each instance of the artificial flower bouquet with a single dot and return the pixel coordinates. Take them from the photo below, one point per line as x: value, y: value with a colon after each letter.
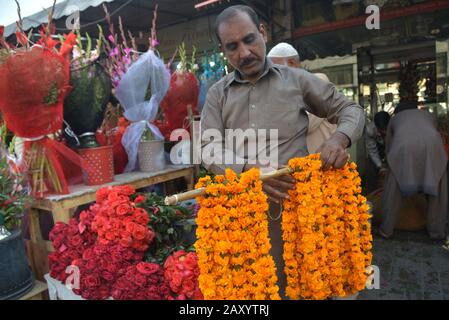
x: 84, y: 107
x: 33, y: 86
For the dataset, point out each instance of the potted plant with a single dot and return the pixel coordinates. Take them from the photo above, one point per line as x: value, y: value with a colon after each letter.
x: 15, y: 275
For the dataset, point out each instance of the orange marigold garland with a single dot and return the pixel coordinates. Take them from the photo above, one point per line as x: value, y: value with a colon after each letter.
x: 326, y: 232
x: 232, y: 239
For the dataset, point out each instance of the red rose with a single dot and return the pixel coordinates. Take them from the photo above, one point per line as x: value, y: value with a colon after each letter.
x: 147, y: 268
x: 140, y: 232
x: 140, y: 280
x: 139, y: 199
x: 123, y: 199
x: 181, y: 297
x: 57, y: 242
x: 90, y: 264
x: 140, y: 216
x: 190, y: 260
x: 86, y: 295
x: 108, y: 276
x: 197, y: 295
x: 102, y: 194
x: 140, y: 296
x: 188, y: 287
x: 75, y: 241
x: 104, y: 292
x: 126, y: 190
x: 91, y: 281
x: 113, y: 196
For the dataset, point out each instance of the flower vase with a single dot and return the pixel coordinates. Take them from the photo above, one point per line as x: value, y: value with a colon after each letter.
x: 16, y: 278
x: 101, y: 162
x: 151, y: 155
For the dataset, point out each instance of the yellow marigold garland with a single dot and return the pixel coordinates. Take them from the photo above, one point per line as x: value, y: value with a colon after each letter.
x: 232, y: 239
x: 326, y: 232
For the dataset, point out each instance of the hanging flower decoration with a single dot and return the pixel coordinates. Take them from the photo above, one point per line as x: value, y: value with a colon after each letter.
x: 326, y: 232
x: 232, y: 239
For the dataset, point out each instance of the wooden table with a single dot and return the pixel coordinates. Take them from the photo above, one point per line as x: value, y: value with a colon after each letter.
x: 63, y: 207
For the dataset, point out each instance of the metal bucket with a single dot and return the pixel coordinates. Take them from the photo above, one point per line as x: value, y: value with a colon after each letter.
x: 16, y: 278
x: 101, y: 161
x: 151, y: 156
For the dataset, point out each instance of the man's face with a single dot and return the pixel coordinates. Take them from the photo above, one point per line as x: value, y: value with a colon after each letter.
x: 244, y: 44
x: 277, y: 60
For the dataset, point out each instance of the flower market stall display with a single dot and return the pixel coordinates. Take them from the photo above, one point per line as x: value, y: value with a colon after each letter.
x: 111, y: 243
x: 233, y: 244
x: 182, y: 93
x: 140, y: 91
x: 84, y: 108
x: 15, y: 274
x: 33, y: 85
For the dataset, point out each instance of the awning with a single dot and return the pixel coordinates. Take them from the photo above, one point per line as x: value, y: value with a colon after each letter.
x: 62, y: 9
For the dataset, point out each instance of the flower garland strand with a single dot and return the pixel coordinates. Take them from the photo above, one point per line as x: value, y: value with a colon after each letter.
x: 232, y: 239
x: 326, y: 232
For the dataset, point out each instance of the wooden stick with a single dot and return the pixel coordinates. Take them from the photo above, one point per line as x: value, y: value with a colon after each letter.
x: 175, y: 199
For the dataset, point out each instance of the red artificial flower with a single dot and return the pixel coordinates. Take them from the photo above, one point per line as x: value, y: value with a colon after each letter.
x: 139, y: 199
x: 123, y: 209
x: 67, y: 46
x: 21, y: 38
x: 147, y: 268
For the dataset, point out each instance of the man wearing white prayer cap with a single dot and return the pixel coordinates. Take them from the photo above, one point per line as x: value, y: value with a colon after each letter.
x: 284, y: 53
x: 319, y: 129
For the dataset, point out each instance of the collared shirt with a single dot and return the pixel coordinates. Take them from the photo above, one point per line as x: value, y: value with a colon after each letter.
x: 278, y: 100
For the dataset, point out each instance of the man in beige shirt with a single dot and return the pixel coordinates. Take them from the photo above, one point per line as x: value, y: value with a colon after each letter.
x: 260, y: 95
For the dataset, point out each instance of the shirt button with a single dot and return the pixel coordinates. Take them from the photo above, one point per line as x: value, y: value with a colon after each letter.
x: 253, y: 106
x: 253, y: 125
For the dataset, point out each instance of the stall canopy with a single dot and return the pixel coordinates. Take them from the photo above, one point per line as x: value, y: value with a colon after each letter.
x: 136, y: 14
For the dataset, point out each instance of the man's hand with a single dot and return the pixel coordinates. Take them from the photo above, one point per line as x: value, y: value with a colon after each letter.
x: 333, y: 151
x: 274, y: 188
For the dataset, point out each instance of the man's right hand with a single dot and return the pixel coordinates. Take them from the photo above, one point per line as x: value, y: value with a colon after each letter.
x: 275, y: 188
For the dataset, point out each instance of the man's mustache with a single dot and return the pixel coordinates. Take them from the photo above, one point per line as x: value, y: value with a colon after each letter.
x: 247, y: 62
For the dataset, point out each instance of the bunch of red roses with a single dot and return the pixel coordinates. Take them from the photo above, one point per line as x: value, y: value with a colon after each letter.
x: 143, y: 281
x: 181, y: 271
x: 69, y: 242
x: 100, y: 266
x: 118, y: 220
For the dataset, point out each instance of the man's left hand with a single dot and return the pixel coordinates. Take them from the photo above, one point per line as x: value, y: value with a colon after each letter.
x: 333, y: 151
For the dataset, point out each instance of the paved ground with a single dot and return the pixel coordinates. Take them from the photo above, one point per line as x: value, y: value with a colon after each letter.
x: 412, y: 267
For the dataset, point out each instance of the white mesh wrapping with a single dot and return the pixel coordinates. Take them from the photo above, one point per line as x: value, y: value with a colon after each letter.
x: 131, y: 91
